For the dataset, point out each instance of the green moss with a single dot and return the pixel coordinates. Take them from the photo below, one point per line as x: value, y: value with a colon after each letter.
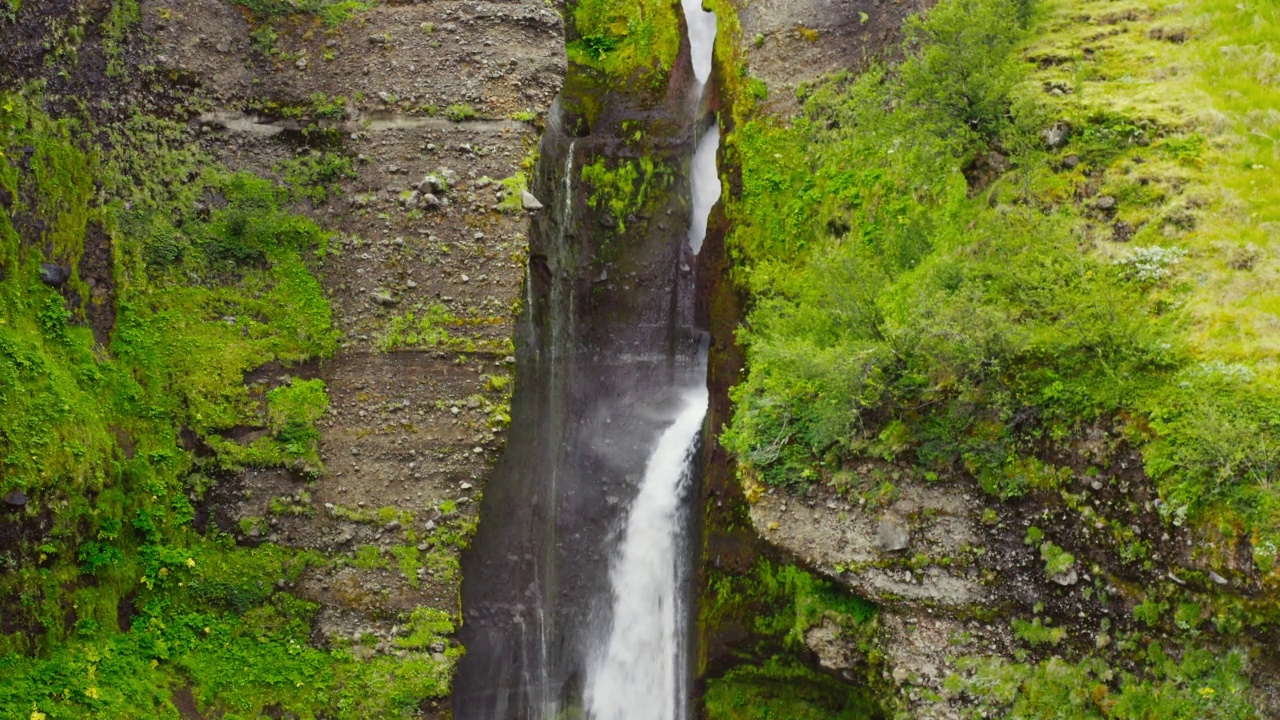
x: 332, y: 12
x: 781, y: 689
x: 777, y: 605
x: 626, y: 39
x: 1201, y: 685
x: 620, y: 188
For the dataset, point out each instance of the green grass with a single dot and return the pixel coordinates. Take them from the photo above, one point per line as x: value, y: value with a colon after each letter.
x: 931, y: 283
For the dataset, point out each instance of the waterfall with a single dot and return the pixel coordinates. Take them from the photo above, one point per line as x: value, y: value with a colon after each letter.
x: 640, y: 674
x: 577, y: 604
x: 704, y: 185
x: 704, y: 178
x: 702, y: 37
x: 640, y: 671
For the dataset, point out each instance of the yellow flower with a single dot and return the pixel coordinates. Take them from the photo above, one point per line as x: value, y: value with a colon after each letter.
x: 93, y: 693
x: 37, y: 715
x: 191, y: 562
x: 1206, y: 692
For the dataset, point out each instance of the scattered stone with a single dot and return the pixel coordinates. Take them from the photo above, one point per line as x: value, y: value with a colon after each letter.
x: 529, y: 202
x: 1104, y: 203
x: 1056, y: 135
x: 1216, y: 578
x: 1071, y: 162
x: 15, y: 498
x: 893, y: 534
x: 392, y: 526
x: 901, y: 674
x: 1067, y: 579
x: 432, y: 184
x: 383, y: 298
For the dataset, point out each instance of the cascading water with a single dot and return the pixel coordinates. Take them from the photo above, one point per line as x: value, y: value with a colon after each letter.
x: 704, y: 178
x: 702, y: 38
x: 639, y: 674
x: 704, y: 181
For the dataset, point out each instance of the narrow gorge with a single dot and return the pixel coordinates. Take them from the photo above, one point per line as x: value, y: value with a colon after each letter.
x: 645, y: 360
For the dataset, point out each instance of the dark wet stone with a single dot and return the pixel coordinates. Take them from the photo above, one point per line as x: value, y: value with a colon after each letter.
x: 53, y: 275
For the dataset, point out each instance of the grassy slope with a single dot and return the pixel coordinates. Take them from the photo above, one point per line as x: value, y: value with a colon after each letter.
x: 211, y: 278
x: 904, y: 310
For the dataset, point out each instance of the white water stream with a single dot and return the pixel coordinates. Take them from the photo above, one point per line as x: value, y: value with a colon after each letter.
x: 640, y: 675
x: 702, y: 37
x: 704, y: 185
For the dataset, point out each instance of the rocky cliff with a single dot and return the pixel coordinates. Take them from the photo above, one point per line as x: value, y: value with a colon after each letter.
x: 402, y: 133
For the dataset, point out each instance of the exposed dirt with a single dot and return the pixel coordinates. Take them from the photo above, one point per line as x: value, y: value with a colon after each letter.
x: 497, y: 57
x: 790, y: 42
x: 96, y: 266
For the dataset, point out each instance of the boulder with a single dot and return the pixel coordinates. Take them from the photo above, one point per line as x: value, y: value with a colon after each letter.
x: 53, y: 275
x: 893, y: 533
x: 529, y: 202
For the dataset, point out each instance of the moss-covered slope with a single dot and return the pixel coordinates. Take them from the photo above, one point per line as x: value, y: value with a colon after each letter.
x: 1008, y: 329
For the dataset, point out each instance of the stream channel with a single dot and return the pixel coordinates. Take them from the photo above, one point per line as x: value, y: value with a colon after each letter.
x: 578, y: 590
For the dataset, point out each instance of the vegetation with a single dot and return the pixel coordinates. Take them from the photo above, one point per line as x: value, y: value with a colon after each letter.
x: 332, y: 12
x: 1201, y: 685
x: 620, y: 188
x: 110, y: 596
x: 779, y: 605
x: 780, y: 690
x: 928, y: 287
x: 1049, y: 219
x: 625, y: 38
x: 314, y: 175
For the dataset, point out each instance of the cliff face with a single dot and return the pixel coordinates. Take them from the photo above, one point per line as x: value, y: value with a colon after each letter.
x: 404, y: 133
